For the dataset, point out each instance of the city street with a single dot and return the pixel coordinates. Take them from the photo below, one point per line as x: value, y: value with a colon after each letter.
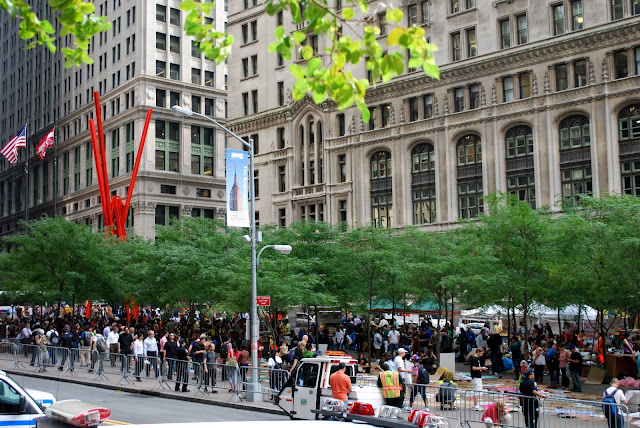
x: 127, y: 408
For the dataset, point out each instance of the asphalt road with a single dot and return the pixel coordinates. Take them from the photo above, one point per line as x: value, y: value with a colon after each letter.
x: 127, y: 408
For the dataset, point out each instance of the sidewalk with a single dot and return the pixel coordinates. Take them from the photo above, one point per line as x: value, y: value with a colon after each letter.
x: 147, y: 386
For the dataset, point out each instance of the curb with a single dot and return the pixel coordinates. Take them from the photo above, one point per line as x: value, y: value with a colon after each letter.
x: 160, y: 394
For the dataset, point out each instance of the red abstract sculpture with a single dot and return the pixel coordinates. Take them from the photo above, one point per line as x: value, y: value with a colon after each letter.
x: 113, y: 209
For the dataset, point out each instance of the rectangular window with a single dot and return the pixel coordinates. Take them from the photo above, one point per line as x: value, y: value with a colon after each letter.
x: 195, y: 76
x: 424, y: 9
x: 280, y: 138
x: 245, y: 33
x: 505, y: 34
x: 474, y: 96
x: 637, y: 58
x: 620, y: 64
x: 507, y: 88
x: 208, y: 79
x: 455, y: 6
x: 617, y: 11
x: 580, y: 73
x: 254, y: 100
x: 577, y: 19
x: 161, y: 98
x: 458, y: 99
x: 161, y: 42
x: 472, y: 45
x: 428, y: 106
x: 174, y: 16
x: 174, y: 71
x: 525, y: 85
x: 174, y: 44
x: 161, y: 69
x: 282, y: 179
x: 254, y: 65
x: 174, y: 98
x: 167, y: 189
x: 412, y: 17
x: 456, y: 49
x: 254, y: 30
x: 280, y: 93
x: 195, y: 103
x: 161, y: 13
x: 635, y: 7
x: 195, y: 49
x: 558, y: 19
x: 167, y: 146
x: 562, y: 80
x: 208, y: 106
x: 342, y: 207
x: 342, y: 168
x: 256, y: 183
x: 523, y: 29
x: 245, y: 103
x: 384, y: 114
x: 413, y: 109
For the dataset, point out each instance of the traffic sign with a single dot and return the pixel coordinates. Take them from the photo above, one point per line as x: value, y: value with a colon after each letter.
x: 263, y: 300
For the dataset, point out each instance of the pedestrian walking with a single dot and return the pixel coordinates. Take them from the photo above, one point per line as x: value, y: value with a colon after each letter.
x: 476, y: 376
x: 613, y: 398
x: 575, y: 368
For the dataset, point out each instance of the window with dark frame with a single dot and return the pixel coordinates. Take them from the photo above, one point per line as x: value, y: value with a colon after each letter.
x: 505, y: 33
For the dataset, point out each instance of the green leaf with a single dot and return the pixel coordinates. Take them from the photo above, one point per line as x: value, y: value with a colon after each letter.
x: 296, y: 71
x: 364, y: 110
x: 307, y: 52
x: 299, y: 37
x: 313, y: 65
x: 279, y: 32
x: 299, y: 89
x: 188, y: 5
x: 394, y: 37
x: 347, y: 13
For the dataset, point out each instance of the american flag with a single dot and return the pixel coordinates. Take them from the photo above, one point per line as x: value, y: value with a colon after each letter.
x: 10, y: 151
x: 46, y: 142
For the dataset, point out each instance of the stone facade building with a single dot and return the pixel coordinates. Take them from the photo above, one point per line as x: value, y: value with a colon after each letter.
x: 144, y: 61
x: 540, y: 98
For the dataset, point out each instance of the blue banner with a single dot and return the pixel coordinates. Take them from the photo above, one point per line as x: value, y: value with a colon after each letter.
x: 237, y: 188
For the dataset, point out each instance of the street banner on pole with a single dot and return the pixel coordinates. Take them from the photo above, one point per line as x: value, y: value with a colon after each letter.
x: 237, y: 188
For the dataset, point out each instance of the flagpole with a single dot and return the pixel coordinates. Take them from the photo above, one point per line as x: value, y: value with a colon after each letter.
x: 26, y: 178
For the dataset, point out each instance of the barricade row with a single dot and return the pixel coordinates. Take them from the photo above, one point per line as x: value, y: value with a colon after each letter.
x: 449, y: 401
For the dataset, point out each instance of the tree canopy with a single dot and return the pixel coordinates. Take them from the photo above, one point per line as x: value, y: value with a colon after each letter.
x: 350, y: 39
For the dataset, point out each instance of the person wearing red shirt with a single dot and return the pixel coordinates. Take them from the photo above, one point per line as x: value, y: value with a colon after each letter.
x: 497, y: 414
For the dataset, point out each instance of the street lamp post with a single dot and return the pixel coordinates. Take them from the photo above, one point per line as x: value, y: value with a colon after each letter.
x: 255, y: 324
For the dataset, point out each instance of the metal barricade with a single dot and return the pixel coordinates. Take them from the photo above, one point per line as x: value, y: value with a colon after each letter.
x: 272, y: 381
x: 183, y: 373
x: 8, y: 352
x: 560, y: 412
x: 66, y: 361
x: 523, y: 411
x: 33, y: 355
x: 117, y: 365
x: 443, y: 399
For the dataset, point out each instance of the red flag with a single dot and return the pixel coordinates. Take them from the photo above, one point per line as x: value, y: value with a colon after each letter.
x: 47, y: 141
x: 87, y: 313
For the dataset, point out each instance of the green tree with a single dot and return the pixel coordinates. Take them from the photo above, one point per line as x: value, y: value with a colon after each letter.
x: 55, y: 260
x: 517, y: 238
x: 332, y: 78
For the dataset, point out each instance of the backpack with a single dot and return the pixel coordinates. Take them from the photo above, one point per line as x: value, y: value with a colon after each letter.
x: 423, y: 376
x: 55, y: 339
x: 86, y: 337
x: 224, y: 350
x: 277, y: 365
x: 552, y: 358
x: 101, y: 345
x: 609, y: 406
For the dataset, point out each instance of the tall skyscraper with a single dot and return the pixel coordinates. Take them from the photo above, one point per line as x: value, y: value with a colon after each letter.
x: 144, y: 61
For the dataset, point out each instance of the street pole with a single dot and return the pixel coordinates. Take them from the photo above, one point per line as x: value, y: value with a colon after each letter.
x: 254, y: 393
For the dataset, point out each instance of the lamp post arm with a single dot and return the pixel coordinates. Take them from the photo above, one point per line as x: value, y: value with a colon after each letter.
x: 260, y: 252
x: 224, y: 128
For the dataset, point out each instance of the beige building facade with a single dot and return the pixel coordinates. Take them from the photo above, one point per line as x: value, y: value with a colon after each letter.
x: 537, y: 98
x: 144, y: 61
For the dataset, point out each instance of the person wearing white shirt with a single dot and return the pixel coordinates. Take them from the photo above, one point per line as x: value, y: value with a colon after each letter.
x: 113, y: 345
x: 138, y: 352
x: 394, y: 336
x: 151, y: 350
x: 613, y: 412
x: 339, y: 338
x: 401, y: 367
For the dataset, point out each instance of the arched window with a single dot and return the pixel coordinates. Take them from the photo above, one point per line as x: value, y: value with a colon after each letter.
x: 574, y: 132
x: 381, y: 190
x: 469, y: 171
x: 629, y: 134
x: 423, y: 184
x: 520, y: 174
x: 469, y: 150
x: 575, y: 157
